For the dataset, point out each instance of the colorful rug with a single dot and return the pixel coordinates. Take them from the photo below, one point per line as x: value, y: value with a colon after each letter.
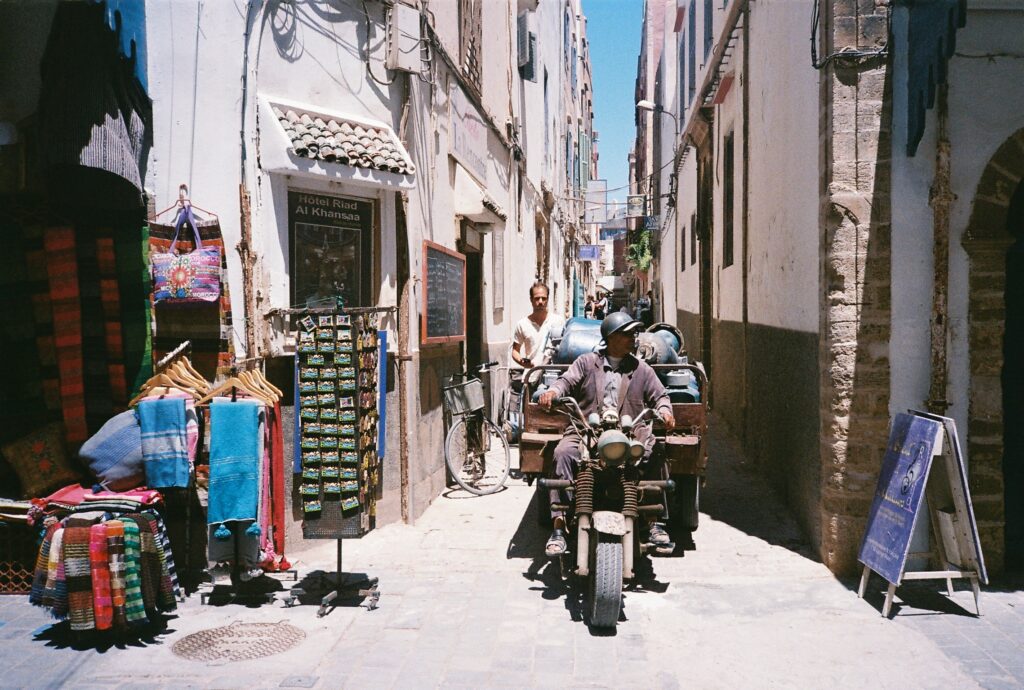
x: 99, y: 562
x: 62, y: 271
x: 115, y: 552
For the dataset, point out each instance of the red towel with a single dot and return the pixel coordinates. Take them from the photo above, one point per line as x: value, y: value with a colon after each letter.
x: 277, y: 494
x: 99, y: 560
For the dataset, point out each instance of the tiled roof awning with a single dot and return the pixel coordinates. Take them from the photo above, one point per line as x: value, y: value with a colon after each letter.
x: 343, y: 141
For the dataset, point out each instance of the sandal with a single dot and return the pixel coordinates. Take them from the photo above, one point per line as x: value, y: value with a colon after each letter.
x: 556, y: 544
x: 657, y: 535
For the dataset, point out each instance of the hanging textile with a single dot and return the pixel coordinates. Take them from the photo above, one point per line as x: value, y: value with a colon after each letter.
x: 62, y: 271
x: 206, y: 324
x: 164, y: 442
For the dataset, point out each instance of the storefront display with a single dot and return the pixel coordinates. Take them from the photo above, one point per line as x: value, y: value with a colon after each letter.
x: 337, y: 398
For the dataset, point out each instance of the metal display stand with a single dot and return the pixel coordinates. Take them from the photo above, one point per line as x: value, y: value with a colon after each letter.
x: 341, y: 588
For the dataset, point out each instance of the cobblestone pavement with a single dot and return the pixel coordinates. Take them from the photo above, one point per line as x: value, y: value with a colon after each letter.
x: 467, y: 603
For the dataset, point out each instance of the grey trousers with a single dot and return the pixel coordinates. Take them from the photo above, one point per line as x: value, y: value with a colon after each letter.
x: 566, y: 457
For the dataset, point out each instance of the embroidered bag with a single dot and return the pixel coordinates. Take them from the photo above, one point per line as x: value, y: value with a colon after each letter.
x: 192, y: 277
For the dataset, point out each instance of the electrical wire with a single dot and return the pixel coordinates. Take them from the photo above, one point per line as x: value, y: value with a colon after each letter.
x: 845, y: 53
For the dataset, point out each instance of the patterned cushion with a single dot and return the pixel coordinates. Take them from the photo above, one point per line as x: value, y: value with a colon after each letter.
x: 40, y: 461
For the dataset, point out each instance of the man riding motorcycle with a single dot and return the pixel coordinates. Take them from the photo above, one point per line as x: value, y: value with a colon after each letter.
x: 613, y: 378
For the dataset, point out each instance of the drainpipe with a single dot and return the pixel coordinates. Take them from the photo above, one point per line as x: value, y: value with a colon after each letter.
x: 746, y: 211
x: 404, y: 300
x: 941, y: 199
x: 246, y: 254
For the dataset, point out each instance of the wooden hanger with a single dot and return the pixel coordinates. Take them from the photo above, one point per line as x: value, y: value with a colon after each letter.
x: 161, y: 382
x: 179, y: 371
x: 277, y: 391
x: 259, y: 383
x: 234, y: 382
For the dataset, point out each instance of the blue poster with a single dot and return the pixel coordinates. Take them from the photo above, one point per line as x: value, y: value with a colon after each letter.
x: 901, y: 483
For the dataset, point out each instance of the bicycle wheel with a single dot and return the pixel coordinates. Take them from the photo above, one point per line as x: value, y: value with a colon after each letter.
x: 477, y: 455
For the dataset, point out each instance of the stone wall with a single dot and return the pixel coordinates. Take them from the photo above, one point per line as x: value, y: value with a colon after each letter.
x: 855, y: 276
x: 986, y: 241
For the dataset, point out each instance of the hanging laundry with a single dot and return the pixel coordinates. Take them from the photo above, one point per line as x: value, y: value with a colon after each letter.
x: 164, y: 442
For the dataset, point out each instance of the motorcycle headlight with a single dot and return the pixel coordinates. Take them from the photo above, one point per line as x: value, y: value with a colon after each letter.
x: 612, y: 446
x: 636, y: 450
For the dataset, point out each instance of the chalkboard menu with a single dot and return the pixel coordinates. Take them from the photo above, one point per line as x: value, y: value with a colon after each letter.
x: 443, y: 317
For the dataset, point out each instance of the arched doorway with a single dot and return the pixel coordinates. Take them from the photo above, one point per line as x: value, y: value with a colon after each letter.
x: 1013, y: 386
x: 995, y: 340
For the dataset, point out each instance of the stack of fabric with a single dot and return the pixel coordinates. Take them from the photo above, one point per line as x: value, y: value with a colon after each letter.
x: 105, y: 571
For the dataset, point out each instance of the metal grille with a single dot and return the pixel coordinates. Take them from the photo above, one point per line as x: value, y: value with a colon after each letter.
x: 239, y: 642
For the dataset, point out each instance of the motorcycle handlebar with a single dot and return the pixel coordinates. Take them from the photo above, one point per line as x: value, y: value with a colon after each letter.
x: 486, y: 365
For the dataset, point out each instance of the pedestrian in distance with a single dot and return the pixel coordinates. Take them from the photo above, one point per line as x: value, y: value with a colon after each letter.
x: 588, y: 307
x: 533, y: 332
x: 601, y: 305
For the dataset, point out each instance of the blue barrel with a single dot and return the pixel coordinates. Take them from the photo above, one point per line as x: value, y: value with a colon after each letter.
x: 579, y: 337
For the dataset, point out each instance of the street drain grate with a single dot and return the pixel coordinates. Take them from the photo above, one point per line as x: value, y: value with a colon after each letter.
x: 238, y: 642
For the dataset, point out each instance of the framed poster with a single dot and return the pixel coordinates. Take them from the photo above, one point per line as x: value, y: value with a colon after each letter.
x: 443, y: 312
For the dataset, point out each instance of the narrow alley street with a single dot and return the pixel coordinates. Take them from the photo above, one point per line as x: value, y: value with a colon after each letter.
x: 467, y: 601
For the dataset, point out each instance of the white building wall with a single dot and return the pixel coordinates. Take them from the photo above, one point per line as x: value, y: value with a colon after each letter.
x: 784, y: 171
x: 988, y: 61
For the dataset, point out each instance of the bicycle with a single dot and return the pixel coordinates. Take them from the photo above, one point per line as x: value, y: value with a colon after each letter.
x: 468, y: 446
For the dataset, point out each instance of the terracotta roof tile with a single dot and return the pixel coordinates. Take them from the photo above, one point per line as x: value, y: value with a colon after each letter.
x: 340, y: 141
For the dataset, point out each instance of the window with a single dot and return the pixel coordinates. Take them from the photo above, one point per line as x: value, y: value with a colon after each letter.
x: 692, y: 52
x: 470, y: 44
x: 547, y: 130
x: 728, y: 196
x: 709, y: 28
x: 693, y: 239
x: 568, y: 159
x: 565, y: 39
x: 682, y: 249
x: 681, y: 76
x: 331, y: 248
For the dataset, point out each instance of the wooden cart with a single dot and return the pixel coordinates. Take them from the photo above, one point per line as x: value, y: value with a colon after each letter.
x: 685, y: 448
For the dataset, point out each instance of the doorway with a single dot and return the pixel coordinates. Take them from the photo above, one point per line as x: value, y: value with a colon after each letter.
x: 472, y: 246
x: 1013, y: 386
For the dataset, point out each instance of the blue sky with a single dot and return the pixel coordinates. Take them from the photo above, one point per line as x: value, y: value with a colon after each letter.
x: 613, y: 28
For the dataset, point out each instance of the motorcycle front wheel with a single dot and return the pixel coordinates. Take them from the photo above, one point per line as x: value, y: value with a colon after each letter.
x: 605, y: 587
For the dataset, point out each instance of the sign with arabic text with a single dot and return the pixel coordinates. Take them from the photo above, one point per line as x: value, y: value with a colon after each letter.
x: 589, y: 252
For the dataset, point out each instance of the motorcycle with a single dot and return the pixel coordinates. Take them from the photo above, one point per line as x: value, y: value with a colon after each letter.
x: 608, y: 498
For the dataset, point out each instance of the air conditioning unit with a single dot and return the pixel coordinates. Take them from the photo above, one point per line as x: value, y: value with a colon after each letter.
x: 403, y: 39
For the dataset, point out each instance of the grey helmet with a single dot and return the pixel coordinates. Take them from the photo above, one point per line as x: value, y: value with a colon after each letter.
x: 616, y: 322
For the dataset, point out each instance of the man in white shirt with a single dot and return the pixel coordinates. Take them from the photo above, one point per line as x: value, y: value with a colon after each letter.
x: 532, y: 332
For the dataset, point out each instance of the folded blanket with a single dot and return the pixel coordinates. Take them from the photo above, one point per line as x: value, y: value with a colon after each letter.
x: 42, y: 559
x: 78, y: 574
x: 115, y: 552
x: 149, y: 562
x: 166, y: 588
x: 114, y: 453
x: 135, y: 607
x: 234, y: 465
x: 99, y: 562
x: 164, y: 442
x: 52, y: 590
x: 168, y: 556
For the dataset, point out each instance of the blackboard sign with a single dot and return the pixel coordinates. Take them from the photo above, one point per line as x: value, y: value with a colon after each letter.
x: 913, y: 441
x: 443, y: 315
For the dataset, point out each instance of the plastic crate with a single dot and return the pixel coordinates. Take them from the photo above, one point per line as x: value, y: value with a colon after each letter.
x: 463, y: 398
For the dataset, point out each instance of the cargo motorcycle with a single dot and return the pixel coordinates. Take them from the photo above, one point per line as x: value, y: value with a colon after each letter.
x: 608, y: 497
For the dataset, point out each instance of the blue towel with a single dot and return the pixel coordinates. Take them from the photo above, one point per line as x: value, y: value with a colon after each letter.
x: 164, y: 442
x: 234, y: 462
x: 114, y: 453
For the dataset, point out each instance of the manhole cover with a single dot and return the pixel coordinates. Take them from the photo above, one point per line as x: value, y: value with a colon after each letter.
x: 238, y: 642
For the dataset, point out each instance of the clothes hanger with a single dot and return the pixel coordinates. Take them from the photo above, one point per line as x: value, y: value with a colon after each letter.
x: 161, y: 380
x: 182, y: 373
x: 187, y: 363
x: 251, y: 378
x: 234, y: 382
x: 266, y: 382
x: 183, y: 202
x: 246, y: 378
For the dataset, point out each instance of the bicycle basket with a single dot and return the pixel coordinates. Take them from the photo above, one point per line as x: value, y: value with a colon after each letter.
x: 465, y: 397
